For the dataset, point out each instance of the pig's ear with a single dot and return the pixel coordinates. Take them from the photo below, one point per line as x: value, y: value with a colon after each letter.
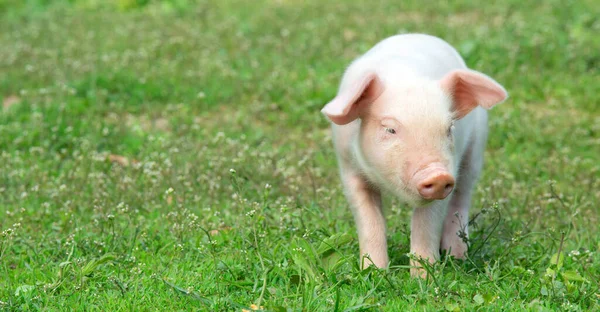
x: 346, y: 106
x: 469, y: 89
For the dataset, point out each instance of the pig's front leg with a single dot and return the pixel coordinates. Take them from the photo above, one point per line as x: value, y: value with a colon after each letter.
x: 365, y: 202
x: 426, y: 232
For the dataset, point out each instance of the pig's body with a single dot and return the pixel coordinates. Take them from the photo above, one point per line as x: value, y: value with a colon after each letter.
x: 411, y: 86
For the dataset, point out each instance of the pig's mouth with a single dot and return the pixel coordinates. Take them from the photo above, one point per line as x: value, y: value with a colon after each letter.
x: 420, y: 202
x: 412, y: 197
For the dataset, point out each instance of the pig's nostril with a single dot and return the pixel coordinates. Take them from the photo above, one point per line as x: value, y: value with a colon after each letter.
x: 448, y: 187
x: 428, y: 186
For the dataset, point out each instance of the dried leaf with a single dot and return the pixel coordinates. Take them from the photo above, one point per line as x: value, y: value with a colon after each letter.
x: 218, y: 231
x: 121, y: 160
x: 162, y: 124
x: 10, y: 101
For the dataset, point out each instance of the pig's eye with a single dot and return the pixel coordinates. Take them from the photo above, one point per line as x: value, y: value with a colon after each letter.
x: 390, y: 130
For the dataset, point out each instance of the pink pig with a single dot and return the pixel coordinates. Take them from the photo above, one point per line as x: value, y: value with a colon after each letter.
x: 410, y: 118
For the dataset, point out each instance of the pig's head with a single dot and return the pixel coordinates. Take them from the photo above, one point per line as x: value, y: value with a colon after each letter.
x: 406, y: 137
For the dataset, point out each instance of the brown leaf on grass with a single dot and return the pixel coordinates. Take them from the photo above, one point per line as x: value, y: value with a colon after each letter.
x: 121, y: 160
x: 220, y: 230
x: 162, y: 124
x: 169, y: 199
x: 10, y: 101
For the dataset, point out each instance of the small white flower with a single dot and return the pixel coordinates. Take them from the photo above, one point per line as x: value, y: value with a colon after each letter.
x: 574, y: 253
x: 530, y: 272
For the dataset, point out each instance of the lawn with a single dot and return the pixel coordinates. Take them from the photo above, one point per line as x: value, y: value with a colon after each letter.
x: 171, y: 156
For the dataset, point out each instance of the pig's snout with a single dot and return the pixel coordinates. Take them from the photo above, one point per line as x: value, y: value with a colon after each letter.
x: 435, y: 183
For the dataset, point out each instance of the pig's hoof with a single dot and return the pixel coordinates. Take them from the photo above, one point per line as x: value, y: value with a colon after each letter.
x: 379, y: 261
x: 455, y: 247
x: 418, y: 270
x: 418, y: 273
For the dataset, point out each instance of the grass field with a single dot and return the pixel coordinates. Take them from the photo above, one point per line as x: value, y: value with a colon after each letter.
x: 171, y: 156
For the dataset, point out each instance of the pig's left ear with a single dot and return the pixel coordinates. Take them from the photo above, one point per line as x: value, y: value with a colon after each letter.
x: 349, y: 102
x: 469, y: 89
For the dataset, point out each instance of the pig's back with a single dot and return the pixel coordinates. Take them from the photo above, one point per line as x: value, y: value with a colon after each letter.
x: 426, y: 55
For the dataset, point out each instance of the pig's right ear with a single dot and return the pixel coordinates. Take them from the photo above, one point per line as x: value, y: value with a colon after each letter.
x: 346, y: 106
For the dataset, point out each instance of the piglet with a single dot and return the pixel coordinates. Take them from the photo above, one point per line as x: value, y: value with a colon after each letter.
x: 410, y: 118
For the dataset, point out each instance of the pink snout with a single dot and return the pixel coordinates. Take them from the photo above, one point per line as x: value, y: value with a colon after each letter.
x: 435, y: 183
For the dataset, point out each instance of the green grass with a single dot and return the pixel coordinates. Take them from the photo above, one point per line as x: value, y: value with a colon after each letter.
x: 185, y: 91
